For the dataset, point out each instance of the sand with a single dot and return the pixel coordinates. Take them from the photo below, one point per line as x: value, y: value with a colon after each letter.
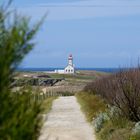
x: 66, y: 122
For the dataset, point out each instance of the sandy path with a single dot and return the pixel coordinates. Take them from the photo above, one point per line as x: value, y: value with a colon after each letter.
x: 66, y: 122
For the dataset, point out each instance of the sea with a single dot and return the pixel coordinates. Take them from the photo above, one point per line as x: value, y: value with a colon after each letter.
x: 108, y: 70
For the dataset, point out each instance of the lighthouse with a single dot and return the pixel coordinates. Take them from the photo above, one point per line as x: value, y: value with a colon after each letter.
x: 70, y: 60
x: 70, y: 67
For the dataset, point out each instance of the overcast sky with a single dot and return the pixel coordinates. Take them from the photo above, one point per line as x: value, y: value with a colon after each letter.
x: 99, y: 33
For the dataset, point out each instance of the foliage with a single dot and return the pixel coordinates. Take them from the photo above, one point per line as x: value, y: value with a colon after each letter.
x: 136, y: 128
x: 109, y: 123
x: 113, y: 126
x: 47, y: 104
x: 121, y: 90
x: 66, y: 93
x: 91, y: 104
x: 19, y: 115
x: 109, y: 132
x: 99, y: 121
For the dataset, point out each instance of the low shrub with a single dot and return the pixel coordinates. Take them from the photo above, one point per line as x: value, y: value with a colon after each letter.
x: 19, y: 117
x: 99, y: 121
x: 108, y: 121
x: 136, y: 128
x: 111, y: 131
x: 121, y: 90
x: 66, y: 93
x: 113, y: 115
x: 91, y: 104
x: 116, y: 117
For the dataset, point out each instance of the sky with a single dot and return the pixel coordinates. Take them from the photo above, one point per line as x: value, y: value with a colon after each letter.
x: 99, y: 33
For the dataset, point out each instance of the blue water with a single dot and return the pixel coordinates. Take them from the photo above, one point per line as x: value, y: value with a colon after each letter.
x: 109, y: 70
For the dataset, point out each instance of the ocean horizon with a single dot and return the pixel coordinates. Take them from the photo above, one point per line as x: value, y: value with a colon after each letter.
x: 109, y: 70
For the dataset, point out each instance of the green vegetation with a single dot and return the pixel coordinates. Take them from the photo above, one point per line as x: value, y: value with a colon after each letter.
x: 120, y: 118
x: 47, y: 104
x: 18, y: 112
x: 90, y: 104
x: 111, y: 131
x: 77, y: 76
x: 121, y: 90
x: 113, y: 127
x: 67, y: 93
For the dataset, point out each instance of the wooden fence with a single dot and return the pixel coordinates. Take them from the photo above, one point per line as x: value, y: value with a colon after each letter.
x: 42, y: 96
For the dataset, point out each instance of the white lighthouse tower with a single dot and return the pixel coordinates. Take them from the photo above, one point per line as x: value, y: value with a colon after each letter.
x: 70, y: 68
x: 70, y: 60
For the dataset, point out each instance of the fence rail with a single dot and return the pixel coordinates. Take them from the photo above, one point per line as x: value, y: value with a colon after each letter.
x: 42, y: 96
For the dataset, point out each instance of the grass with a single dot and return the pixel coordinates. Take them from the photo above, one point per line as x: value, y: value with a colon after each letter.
x: 91, y: 104
x: 73, y: 76
x: 111, y: 131
x: 47, y: 104
x: 117, y: 128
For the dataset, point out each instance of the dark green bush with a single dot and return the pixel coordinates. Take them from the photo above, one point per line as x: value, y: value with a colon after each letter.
x: 18, y: 114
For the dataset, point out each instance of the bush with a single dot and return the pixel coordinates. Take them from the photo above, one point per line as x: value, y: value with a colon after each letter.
x: 115, y: 128
x: 121, y: 90
x: 113, y: 115
x: 136, y: 129
x: 20, y: 118
x: 99, y: 121
x: 18, y: 114
x: 66, y: 93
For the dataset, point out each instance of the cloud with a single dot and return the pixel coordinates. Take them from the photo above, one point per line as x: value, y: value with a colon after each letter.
x: 82, y: 9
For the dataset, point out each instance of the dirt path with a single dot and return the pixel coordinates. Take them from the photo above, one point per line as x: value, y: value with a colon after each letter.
x: 66, y: 122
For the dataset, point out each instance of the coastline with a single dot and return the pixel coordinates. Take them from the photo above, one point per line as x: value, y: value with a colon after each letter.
x: 107, y: 70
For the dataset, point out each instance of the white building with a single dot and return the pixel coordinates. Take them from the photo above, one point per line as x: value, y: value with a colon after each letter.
x: 69, y: 69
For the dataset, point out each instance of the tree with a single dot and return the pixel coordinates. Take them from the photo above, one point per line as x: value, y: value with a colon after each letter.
x: 18, y: 114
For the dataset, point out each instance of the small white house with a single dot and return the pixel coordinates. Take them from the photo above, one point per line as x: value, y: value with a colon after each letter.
x: 60, y: 71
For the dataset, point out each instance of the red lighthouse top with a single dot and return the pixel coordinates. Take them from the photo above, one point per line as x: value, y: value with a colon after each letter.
x: 70, y: 57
